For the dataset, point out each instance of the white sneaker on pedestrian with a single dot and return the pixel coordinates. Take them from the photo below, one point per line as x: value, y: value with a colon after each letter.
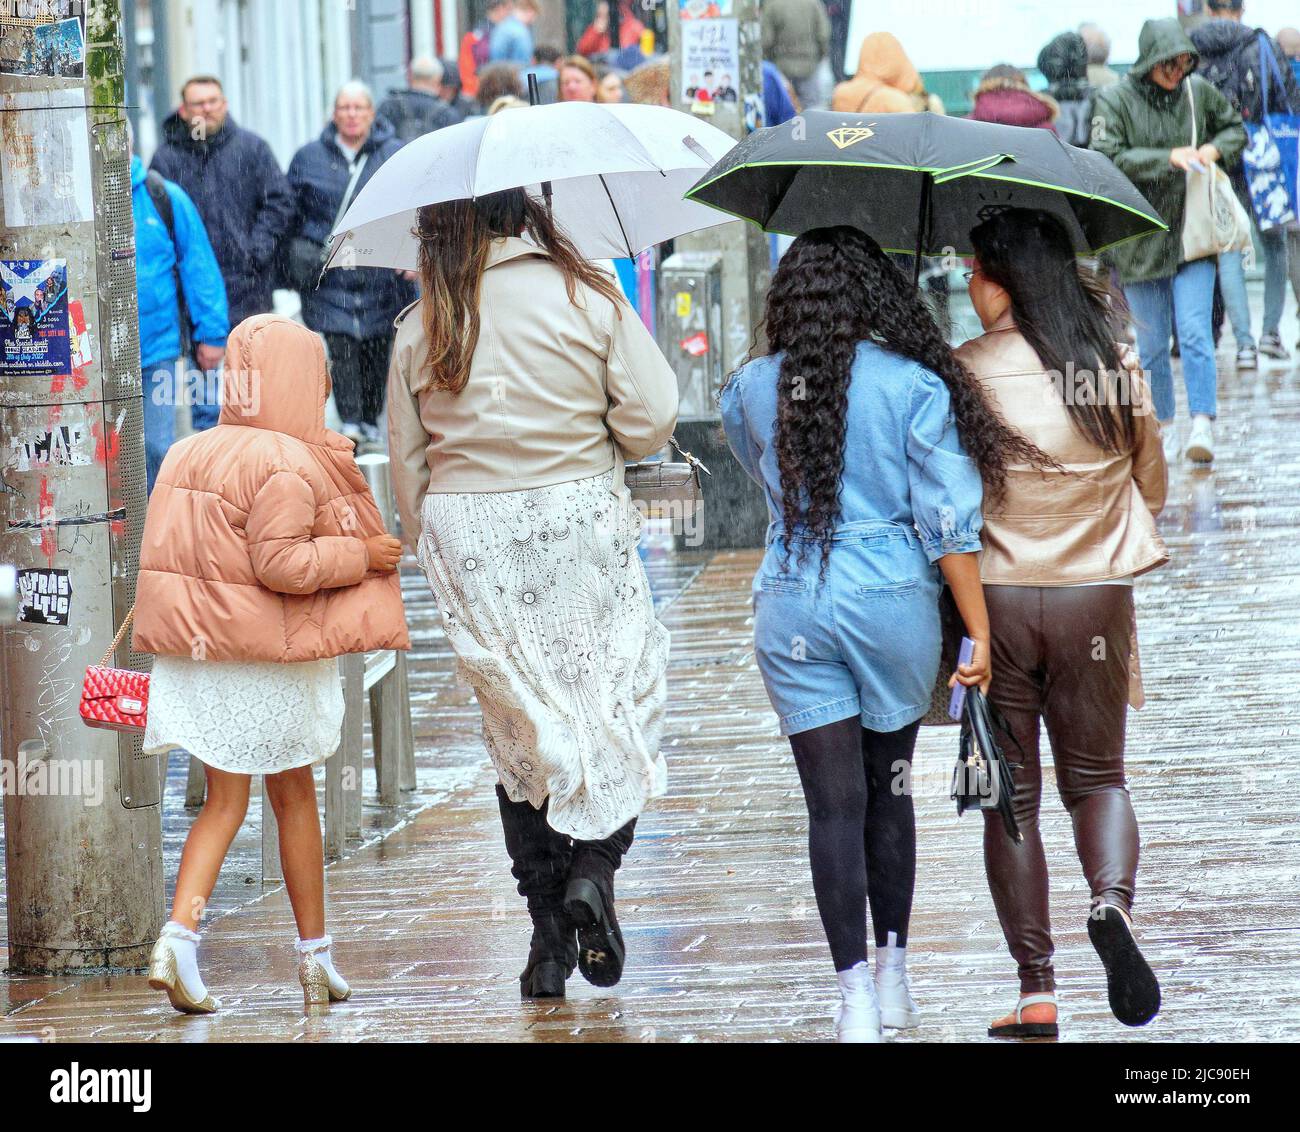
x: 858, y: 1018
x: 1200, y: 443
x: 898, y: 1010
x: 1270, y: 345
x: 1247, y: 358
x: 1169, y: 440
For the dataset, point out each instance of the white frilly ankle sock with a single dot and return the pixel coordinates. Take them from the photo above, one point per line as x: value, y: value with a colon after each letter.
x: 185, y: 946
x: 319, y: 949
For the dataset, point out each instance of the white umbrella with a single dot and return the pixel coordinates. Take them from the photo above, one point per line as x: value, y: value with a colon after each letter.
x: 617, y: 172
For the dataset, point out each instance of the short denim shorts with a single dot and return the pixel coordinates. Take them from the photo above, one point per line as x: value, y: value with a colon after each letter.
x: 861, y: 640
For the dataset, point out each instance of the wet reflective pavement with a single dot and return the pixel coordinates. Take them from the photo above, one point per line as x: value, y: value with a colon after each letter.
x: 716, y: 901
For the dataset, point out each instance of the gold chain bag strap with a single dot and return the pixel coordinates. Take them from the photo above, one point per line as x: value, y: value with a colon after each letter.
x: 115, y: 698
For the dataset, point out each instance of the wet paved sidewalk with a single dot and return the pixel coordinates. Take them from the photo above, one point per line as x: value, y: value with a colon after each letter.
x: 723, y: 937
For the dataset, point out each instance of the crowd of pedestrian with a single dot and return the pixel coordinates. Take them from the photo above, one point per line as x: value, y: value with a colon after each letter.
x: 517, y: 382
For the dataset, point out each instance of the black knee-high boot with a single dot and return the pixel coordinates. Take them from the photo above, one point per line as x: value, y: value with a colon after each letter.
x: 540, y: 863
x: 589, y: 901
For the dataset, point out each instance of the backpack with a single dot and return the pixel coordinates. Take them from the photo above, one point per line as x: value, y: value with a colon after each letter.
x: 156, y: 186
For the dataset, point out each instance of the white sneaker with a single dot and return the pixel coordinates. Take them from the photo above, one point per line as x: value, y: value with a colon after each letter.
x: 1200, y: 443
x: 1169, y: 440
x: 858, y: 1018
x: 898, y: 1010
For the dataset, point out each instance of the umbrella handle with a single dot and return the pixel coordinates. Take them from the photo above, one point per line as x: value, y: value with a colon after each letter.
x: 534, y: 99
x: 923, y: 219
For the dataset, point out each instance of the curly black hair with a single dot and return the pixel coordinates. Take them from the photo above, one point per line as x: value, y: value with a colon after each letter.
x: 833, y: 289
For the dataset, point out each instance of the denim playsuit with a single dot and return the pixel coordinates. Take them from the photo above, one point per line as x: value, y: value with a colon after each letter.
x: 864, y: 640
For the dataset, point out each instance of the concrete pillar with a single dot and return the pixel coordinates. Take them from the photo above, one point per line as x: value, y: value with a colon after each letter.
x: 83, y: 835
x: 423, y: 34
x: 735, y: 513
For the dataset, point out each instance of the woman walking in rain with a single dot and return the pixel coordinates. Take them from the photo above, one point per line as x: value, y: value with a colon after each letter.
x: 1145, y: 124
x: 869, y: 441
x: 263, y: 559
x: 1061, y: 550
x: 519, y: 386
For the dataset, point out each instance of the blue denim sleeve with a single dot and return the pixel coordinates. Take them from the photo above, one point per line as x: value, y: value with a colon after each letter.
x: 945, y: 484
x: 734, y: 424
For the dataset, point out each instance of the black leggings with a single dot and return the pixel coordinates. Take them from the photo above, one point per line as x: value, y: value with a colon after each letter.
x: 861, y: 831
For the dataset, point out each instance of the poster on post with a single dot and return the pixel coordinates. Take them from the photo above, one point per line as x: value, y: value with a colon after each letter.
x: 710, y: 63
x: 45, y: 158
x: 34, y: 333
x: 43, y: 37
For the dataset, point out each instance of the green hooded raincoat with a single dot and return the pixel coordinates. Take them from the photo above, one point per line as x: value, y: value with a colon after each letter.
x: 1136, y: 123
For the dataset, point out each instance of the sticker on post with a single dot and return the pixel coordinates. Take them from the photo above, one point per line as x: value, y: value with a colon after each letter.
x: 697, y: 345
x: 34, y: 338
x: 44, y: 597
x: 49, y: 446
x: 704, y: 9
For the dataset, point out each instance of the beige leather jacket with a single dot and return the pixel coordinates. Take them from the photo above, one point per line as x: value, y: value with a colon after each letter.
x: 553, y: 387
x: 1093, y: 524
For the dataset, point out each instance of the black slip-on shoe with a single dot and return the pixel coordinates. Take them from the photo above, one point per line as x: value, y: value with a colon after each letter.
x: 1131, y: 985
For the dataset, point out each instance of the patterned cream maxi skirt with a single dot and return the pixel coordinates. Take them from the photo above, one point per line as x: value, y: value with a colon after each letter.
x: 548, y: 608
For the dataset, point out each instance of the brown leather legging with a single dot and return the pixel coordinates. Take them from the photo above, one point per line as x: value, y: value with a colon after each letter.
x: 1061, y: 654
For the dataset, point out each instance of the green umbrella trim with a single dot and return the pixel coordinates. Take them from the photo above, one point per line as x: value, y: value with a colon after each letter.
x: 912, y: 251
x: 690, y: 194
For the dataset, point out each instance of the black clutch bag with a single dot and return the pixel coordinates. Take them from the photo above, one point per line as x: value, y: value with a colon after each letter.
x: 983, y: 778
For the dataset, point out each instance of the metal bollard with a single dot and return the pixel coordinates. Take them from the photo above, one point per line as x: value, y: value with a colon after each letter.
x: 374, y: 466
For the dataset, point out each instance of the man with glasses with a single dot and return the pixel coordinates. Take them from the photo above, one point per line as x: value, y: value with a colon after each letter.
x: 241, y: 193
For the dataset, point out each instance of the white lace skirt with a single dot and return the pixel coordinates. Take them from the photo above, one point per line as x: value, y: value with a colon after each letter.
x: 548, y: 608
x: 246, y: 717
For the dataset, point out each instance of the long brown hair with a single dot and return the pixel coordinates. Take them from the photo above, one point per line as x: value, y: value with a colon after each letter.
x: 455, y: 239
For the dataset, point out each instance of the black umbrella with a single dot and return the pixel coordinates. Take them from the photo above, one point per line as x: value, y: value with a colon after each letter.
x: 918, y: 183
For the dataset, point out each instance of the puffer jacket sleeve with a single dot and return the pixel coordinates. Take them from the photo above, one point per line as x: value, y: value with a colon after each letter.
x: 642, y: 387
x: 945, y: 484
x: 285, y: 556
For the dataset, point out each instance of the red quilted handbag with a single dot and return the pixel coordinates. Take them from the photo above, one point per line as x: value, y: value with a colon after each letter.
x: 115, y: 698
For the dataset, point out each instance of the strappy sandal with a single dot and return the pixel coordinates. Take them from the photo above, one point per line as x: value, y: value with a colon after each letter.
x: 1022, y: 1029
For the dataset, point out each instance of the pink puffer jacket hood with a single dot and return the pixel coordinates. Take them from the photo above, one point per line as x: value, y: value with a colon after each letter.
x: 253, y: 547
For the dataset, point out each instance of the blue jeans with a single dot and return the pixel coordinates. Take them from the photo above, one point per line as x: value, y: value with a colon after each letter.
x: 1232, y: 285
x: 157, y: 384
x: 1232, y: 282
x: 1275, y: 275
x: 205, y: 409
x: 1186, y: 300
